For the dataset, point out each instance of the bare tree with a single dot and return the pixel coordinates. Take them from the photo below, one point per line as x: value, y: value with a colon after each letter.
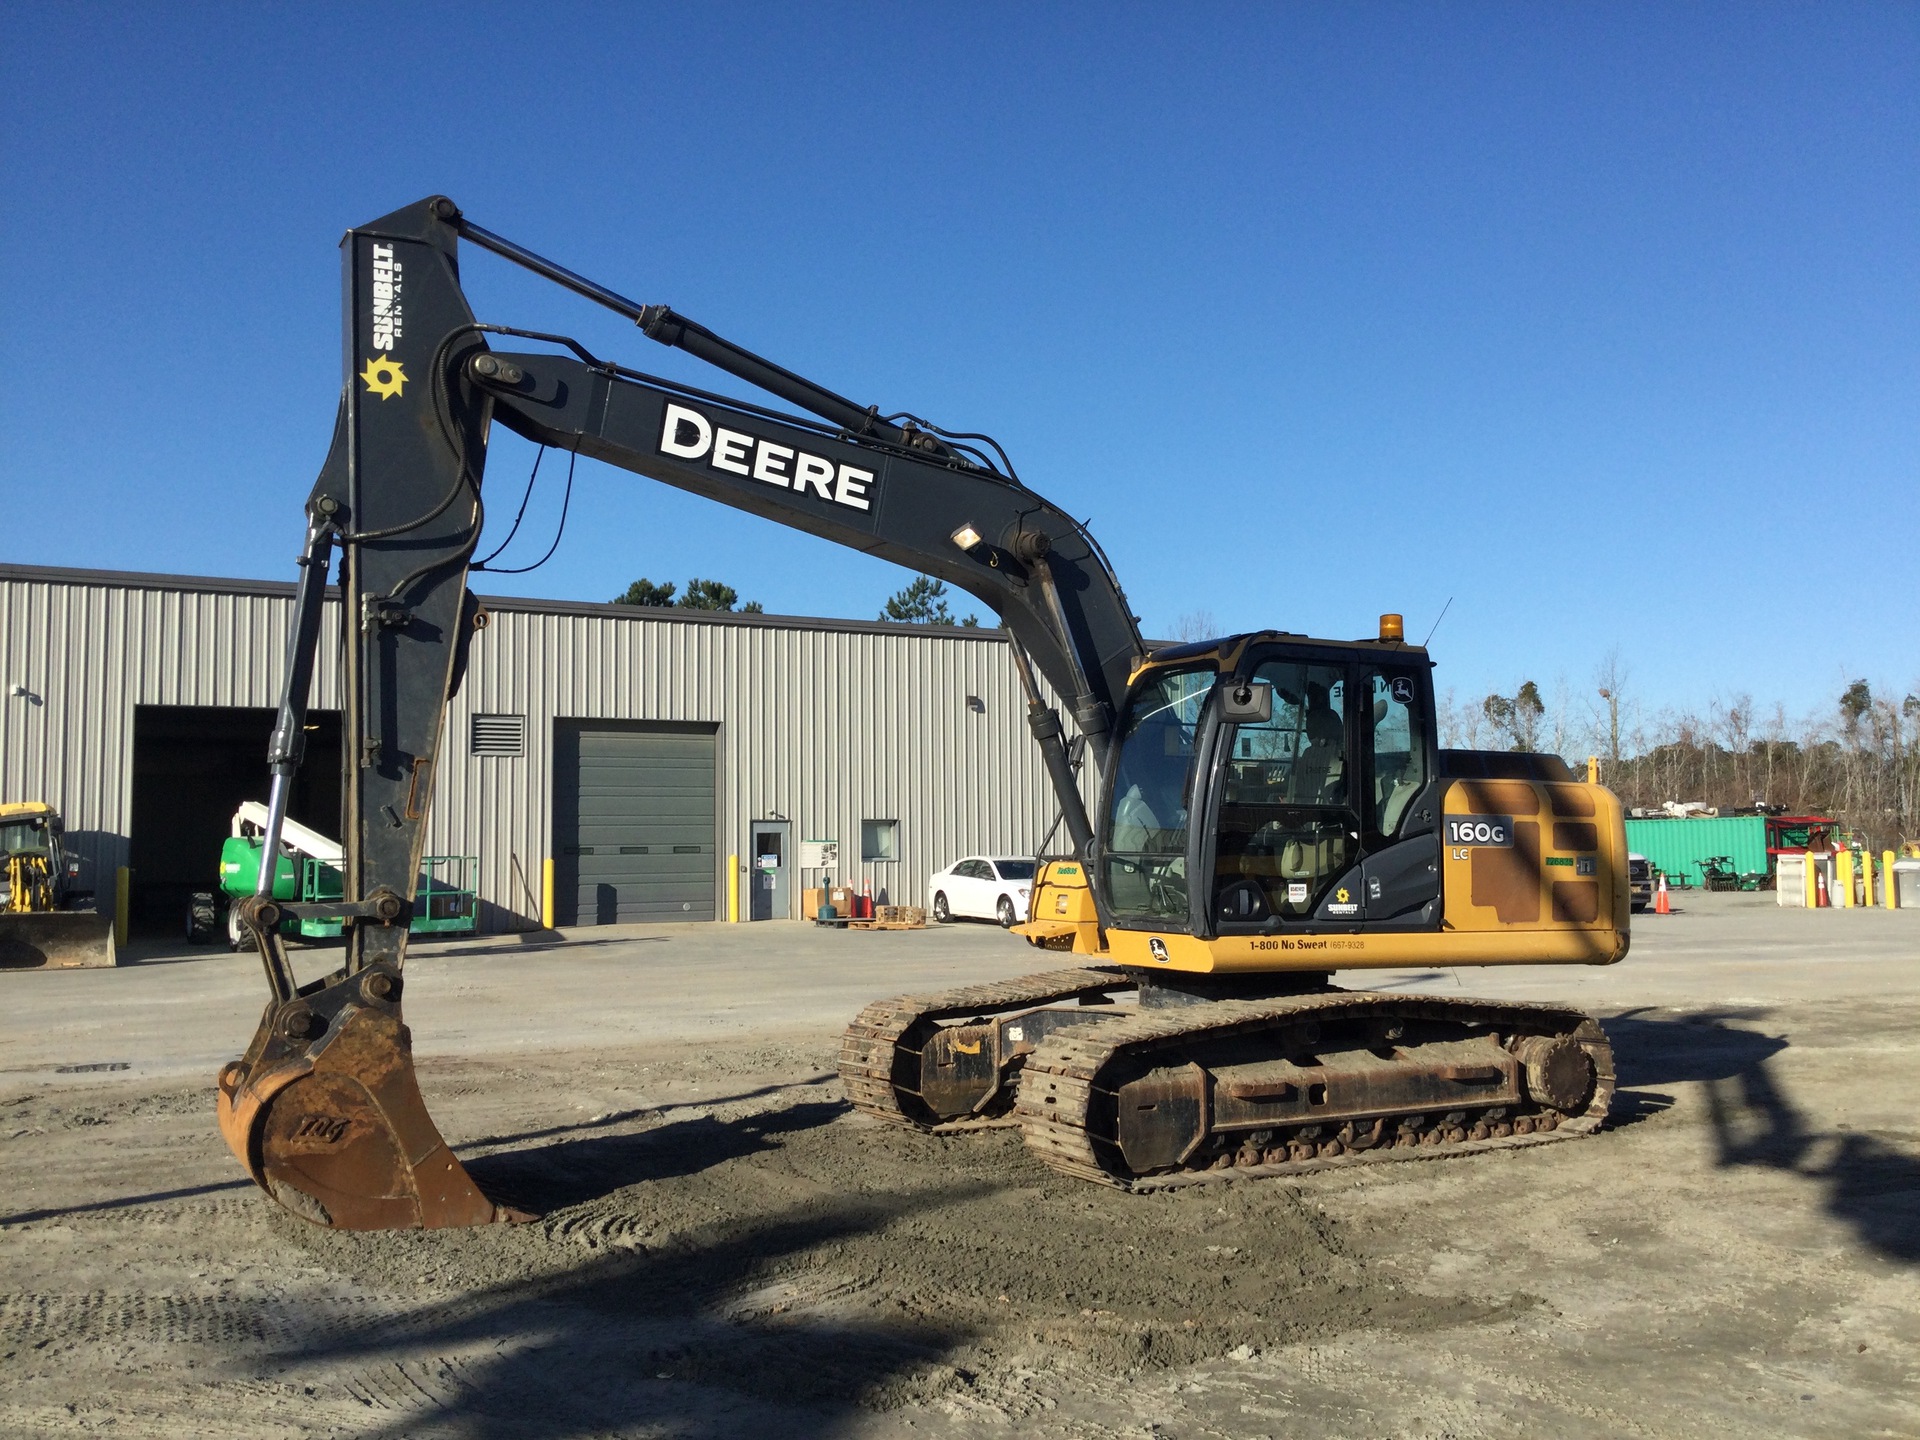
x: 1610, y: 680
x: 1460, y: 722
x: 1196, y: 625
x: 1857, y: 761
x: 1566, y: 735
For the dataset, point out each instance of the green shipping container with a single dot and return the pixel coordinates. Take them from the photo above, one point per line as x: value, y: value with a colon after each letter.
x: 1678, y: 846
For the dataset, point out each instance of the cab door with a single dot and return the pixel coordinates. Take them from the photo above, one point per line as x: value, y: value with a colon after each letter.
x: 1285, y: 837
x: 1399, y: 799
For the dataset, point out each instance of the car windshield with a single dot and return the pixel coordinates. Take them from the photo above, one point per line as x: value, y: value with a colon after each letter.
x: 1014, y: 869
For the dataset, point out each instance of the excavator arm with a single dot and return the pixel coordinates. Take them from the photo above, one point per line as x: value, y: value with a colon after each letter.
x: 323, y: 1109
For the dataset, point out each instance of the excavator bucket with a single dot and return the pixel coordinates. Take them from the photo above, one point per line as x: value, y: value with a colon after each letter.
x: 326, y: 1115
x: 56, y: 940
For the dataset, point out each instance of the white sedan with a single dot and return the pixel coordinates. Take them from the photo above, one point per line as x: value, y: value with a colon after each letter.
x: 982, y: 887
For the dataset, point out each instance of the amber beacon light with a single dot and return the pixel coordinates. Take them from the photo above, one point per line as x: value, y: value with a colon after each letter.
x: 1392, y: 627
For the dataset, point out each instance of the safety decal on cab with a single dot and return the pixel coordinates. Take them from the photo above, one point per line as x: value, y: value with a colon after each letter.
x: 1496, y: 830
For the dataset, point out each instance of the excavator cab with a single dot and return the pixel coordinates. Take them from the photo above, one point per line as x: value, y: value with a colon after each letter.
x: 1280, y: 804
x: 1294, y: 778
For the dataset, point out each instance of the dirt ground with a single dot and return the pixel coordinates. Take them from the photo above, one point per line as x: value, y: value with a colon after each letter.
x: 725, y: 1250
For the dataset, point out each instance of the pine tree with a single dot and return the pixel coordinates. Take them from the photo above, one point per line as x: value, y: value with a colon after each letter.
x: 1517, y: 716
x: 924, y: 602
x: 709, y: 595
x: 644, y: 592
x: 699, y: 595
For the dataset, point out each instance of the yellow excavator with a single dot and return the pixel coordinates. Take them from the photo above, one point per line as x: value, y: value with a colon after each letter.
x: 1270, y: 809
x: 45, y: 924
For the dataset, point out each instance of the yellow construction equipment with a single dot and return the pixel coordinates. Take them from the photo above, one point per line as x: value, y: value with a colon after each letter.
x: 1268, y: 809
x: 44, y: 923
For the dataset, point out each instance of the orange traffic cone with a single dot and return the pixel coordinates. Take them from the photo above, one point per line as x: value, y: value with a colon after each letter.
x: 1661, y: 905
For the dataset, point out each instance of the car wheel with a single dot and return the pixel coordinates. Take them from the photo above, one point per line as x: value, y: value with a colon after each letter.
x: 940, y: 911
x: 1007, y: 918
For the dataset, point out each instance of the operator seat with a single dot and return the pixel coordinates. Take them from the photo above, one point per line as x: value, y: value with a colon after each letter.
x: 1319, y: 776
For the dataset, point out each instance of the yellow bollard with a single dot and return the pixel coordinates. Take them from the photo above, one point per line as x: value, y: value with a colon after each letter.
x: 1866, y: 879
x: 1887, y: 897
x: 122, y: 904
x: 733, y: 889
x: 546, y: 895
x: 1813, y: 889
x: 1843, y: 879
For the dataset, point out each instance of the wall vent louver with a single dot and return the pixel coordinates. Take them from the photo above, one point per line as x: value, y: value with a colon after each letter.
x: 499, y: 735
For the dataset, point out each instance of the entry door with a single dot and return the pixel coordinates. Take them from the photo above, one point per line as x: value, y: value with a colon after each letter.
x: 771, y: 868
x: 1402, y: 864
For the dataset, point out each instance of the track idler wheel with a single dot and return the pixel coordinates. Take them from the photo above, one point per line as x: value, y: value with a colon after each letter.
x: 1559, y: 1071
x: 325, y: 1113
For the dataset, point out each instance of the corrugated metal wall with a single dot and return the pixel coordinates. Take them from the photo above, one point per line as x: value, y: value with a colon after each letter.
x: 822, y: 723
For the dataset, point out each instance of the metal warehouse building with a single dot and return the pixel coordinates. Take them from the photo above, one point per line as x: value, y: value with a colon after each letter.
x: 640, y: 749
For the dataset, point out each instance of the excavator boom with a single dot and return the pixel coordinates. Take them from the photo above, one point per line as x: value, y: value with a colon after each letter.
x: 323, y: 1109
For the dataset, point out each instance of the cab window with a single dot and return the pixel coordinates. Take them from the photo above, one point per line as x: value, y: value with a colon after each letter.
x: 1299, y: 757
x: 1287, y: 825
x: 1399, y: 748
x: 1146, y: 828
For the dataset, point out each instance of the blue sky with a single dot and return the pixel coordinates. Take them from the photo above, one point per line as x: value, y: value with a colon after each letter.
x: 1599, y: 320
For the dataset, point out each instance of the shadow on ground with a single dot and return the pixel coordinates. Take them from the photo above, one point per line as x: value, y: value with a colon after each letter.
x: 1870, y: 1186
x: 636, y: 1340
x: 641, y: 1112
x: 576, y: 1169
x: 573, y: 946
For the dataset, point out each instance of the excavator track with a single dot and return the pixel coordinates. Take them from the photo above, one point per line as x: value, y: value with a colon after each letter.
x: 884, y: 1052
x: 1153, y: 1099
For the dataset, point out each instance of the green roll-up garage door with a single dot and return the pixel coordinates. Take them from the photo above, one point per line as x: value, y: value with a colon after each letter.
x: 633, y: 823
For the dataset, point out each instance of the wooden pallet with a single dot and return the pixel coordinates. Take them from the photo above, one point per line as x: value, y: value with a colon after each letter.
x: 886, y: 925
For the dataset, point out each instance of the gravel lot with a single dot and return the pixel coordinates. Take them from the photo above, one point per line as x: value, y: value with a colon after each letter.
x: 726, y: 1251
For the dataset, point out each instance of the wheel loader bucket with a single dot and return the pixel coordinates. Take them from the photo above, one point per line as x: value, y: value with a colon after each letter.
x: 56, y: 940
x: 326, y: 1115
